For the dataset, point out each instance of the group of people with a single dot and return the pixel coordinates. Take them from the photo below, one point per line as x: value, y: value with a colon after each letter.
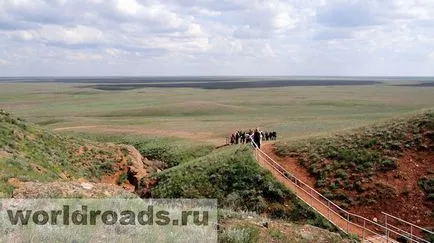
x: 257, y: 136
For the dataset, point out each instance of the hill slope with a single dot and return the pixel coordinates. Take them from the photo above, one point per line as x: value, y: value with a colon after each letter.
x: 36, y: 163
x: 250, y: 227
x: 233, y: 177
x: 387, y: 167
x: 29, y: 153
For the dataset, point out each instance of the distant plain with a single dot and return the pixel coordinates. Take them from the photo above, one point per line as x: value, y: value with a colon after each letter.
x: 155, y: 107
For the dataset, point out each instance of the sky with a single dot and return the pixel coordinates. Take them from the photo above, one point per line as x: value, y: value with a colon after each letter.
x: 216, y: 37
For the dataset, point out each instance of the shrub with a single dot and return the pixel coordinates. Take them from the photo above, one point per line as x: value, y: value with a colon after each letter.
x: 277, y: 235
x: 341, y: 174
x: 320, y: 183
x: 106, y: 167
x: 125, y: 151
x: 358, y: 186
x: 122, y: 178
x: 427, y: 185
x: 333, y: 186
x: 313, y: 169
x: 429, y: 237
x: 387, y: 165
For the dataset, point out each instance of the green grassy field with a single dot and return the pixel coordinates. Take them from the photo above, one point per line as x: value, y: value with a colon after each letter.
x: 210, y: 115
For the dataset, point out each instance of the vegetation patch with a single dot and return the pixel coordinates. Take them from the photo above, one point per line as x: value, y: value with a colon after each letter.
x: 427, y: 185
x: 250, y: 227
x: 171, y: 151
x: 233, y: 177
x: 122, y: 178
x: 35, y: 154
x: 240, y: 234
x: 49, y: 122
x: 347, y: 162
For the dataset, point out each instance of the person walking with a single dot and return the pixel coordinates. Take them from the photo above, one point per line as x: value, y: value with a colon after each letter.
x: 257, y: 137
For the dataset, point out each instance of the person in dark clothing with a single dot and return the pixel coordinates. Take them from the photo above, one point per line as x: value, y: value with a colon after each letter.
x: 237, y: 137
x: 257, y: 137
x: 243, y: 137
x: 233, y: 138
x: 267, y: 136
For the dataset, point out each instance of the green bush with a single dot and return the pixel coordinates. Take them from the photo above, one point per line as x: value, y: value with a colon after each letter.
x: 341, y: 174
x: 427, y: 185
x: 122, y: 178
x: 358, y: 186
x: 387, y: 165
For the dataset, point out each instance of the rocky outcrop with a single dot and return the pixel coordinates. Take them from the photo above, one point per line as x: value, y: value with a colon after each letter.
x: 140, y: 168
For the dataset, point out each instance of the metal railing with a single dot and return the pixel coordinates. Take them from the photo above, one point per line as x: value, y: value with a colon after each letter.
x: 414, y: 229
x: 349, y: 223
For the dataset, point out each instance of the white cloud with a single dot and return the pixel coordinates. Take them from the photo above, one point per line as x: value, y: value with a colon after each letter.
x: 3, y: 62
x: 246, y: 37
x: 128, y: 6
x: 76, y: 35
x: 268, y: 51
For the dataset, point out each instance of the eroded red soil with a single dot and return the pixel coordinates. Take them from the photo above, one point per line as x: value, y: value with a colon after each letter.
x: 403, y: 197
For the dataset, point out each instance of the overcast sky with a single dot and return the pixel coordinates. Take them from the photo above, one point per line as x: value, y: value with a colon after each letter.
x: 216, y: 37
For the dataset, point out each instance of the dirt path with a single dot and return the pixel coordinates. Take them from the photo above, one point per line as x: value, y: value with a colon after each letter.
x: 318, y: 205
x: 72, y: 128
x: 136, y: 130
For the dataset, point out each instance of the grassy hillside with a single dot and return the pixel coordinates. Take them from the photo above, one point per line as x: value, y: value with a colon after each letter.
x: 367, y: 166
x: 250, y: 227
x: 233, y: 177
x: 30, y: 153
x: 171, y: 151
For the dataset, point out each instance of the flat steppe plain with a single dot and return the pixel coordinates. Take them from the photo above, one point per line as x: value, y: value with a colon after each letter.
x: 204, y: 110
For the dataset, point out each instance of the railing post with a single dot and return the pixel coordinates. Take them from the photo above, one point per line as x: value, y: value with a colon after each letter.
x: 311, y: 198
x: 387, y: 233
x: 363, y: 232
x: 328, y: 208
x: 411, y: 233
x: 348, y: 223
